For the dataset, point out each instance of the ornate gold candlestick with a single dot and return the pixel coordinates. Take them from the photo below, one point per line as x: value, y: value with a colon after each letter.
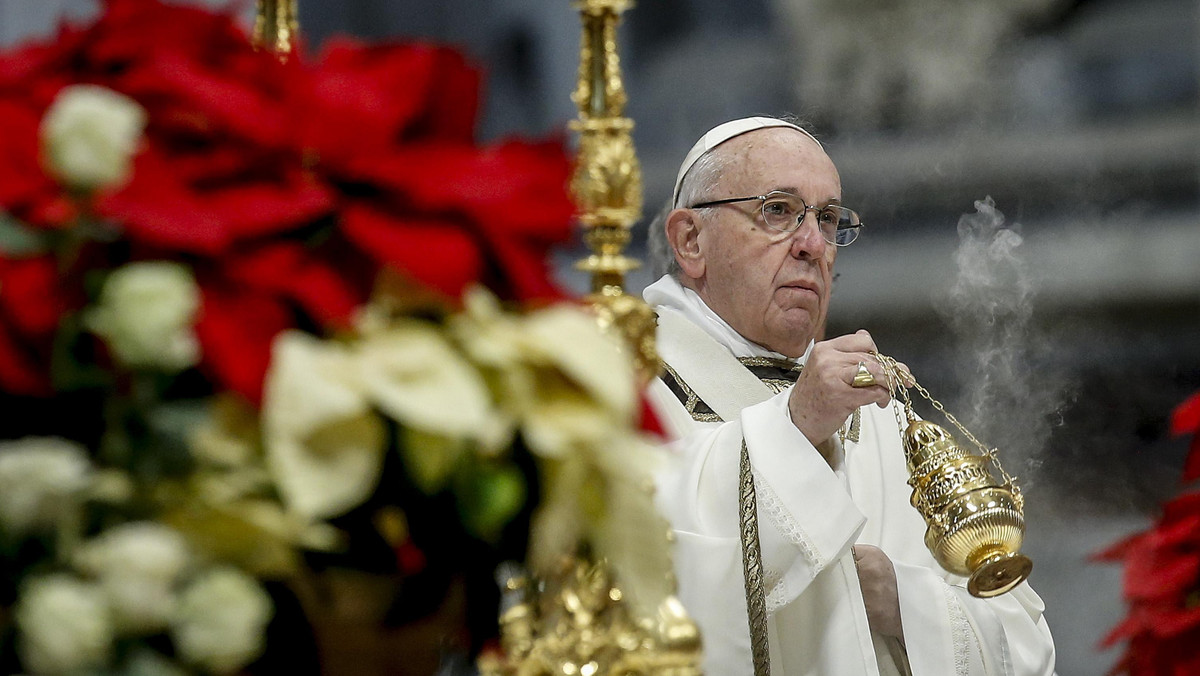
x: 578, y: 621
x: 975, y: 523
x: 608, y: 181
x: 276, y: 27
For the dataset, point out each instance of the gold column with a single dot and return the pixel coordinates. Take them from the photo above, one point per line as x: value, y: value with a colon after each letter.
x: 608, y: 181
x: 276, y: 27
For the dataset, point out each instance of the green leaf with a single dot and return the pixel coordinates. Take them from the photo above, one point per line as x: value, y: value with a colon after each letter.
x: 72, y: 365
x: 166, y: 443
x: 18, y: 239
x: 430, y: 459
x: 489, y: 497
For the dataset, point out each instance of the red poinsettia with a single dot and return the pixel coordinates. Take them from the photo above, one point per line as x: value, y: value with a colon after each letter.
x: 1162, y: 577
x: 286, y: 187
x: 31, y: 303
x: 1186, y: 420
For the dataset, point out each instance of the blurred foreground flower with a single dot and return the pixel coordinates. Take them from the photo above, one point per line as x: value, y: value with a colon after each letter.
x: 137, y: 566
x: 65, y: 626
x: 550, y: 382
x: 294, y: 321
x: 220, y: 621
x: 41, y: 480
x: 145, y: 314
x: 90, y: 135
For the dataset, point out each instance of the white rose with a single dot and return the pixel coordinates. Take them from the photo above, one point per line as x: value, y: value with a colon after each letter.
x: 64, y: 625
x: 145, y: 315
x: 137, y: 565
x: 40, y: 478
x: 221, y: 619
x: 89, y: 136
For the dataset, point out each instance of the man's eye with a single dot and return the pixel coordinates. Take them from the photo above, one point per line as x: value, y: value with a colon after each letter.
x: 779, y: 208
x: 828, y: 217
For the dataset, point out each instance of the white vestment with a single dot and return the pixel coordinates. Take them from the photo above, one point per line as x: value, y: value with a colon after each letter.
x: 811, y: 511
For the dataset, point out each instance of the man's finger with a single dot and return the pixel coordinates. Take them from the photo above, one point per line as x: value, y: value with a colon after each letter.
x: 884, y: 399
x: 859, y: 341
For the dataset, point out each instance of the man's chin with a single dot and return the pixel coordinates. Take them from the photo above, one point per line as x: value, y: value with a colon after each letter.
x: 793, y: 342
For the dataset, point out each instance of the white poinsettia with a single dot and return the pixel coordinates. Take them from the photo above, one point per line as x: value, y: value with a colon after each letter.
x: 562, y: 380
x: 324, y: 439
x: 220, y: 622
x: 570, y: 339
x: 146, y: 314
x: 495, y: 342
x: 604, y: 495
x: 582, y: 383
x: 324, y: 443
x: 64, y: 625
x: 227, y: 437
x: 492, y: 337
x: 631, y: 532
x: 562, y: 420
x: 89, y: 136
x: 413, y: 374
x: 137, y: 566
x: 41, y: 479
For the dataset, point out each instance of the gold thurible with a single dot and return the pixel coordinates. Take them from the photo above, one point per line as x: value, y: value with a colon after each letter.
x: 276, y: 27
x: 607, y: 182
x: 975, y: 520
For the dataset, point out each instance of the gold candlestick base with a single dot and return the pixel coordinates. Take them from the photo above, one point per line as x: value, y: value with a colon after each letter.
x: 578, y: 624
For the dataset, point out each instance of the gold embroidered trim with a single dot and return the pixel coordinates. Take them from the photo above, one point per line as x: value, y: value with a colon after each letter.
x: 786, y: 371
x: 701, y: 412
x: 692, y: 399
x: 776, y: 385
x: 752, y: 568
x: 784, y: 364
x: 851, y: 429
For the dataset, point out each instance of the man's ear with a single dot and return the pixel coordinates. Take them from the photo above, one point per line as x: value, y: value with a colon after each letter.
x: 683, y: 232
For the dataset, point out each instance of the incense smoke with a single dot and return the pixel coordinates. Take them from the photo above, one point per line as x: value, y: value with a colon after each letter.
x: 1012, y: 393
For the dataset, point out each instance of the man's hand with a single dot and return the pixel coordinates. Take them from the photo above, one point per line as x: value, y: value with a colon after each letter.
x: 877, y: 578
x: 823, y: 397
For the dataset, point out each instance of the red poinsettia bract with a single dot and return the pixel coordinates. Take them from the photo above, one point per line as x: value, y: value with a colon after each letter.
x: 1162, y: 577
x: 286, y: 187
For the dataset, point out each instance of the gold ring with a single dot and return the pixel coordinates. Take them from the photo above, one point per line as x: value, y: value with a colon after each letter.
x: 862, y: 377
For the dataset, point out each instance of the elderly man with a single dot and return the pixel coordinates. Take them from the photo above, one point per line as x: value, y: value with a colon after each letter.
x: 797, y: 549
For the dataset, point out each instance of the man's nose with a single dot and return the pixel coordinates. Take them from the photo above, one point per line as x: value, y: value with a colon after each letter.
x: 807, y: 240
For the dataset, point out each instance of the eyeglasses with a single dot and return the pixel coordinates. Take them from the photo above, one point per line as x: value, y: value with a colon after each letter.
x: 785, y: 212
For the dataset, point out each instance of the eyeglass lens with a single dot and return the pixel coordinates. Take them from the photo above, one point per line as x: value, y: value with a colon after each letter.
x: 782, y: 211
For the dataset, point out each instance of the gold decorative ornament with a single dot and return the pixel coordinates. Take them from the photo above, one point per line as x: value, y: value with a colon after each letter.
x: 276, y: 27
x: 578, y: 624
x: 607, y: 182
x: 975, y: 523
